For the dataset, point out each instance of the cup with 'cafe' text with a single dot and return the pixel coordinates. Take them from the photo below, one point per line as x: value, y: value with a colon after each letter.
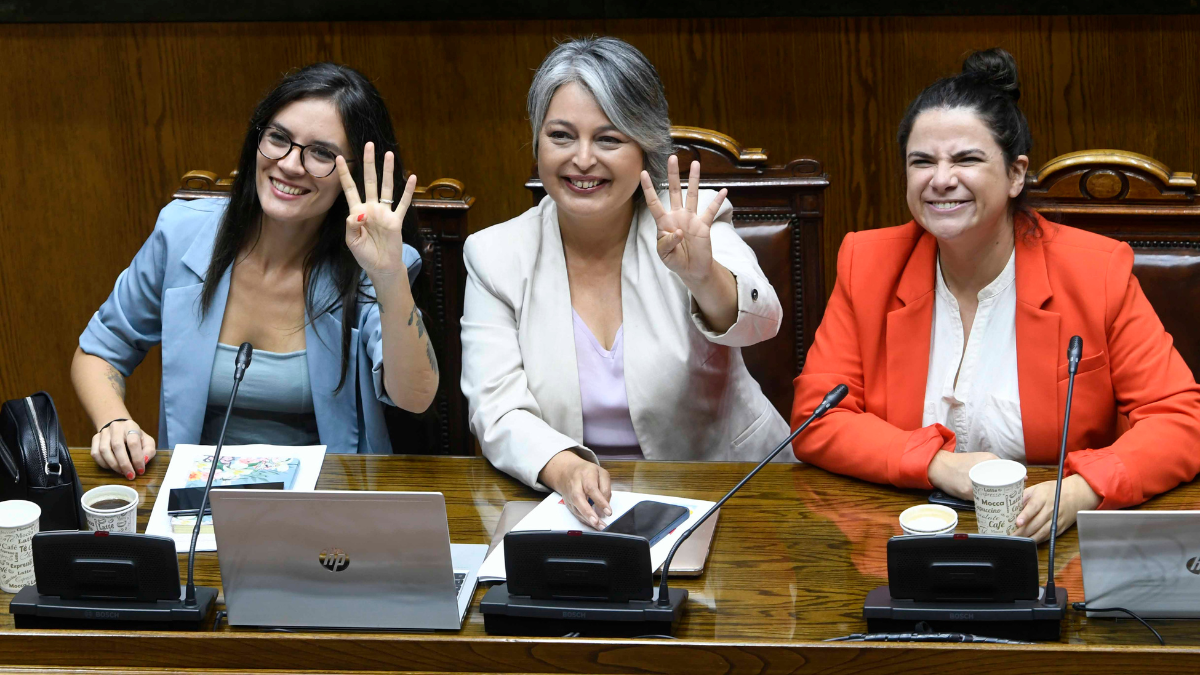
x: 999, y: 490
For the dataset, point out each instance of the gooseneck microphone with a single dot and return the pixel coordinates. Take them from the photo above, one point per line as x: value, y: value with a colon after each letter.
x: 1074, y: 353
x: 831, y: 400
x: 241, y: 363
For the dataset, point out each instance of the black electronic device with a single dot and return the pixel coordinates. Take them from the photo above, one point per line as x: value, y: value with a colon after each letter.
x: 943, y: 499
x: 186, y: 501
x: 118, y: 574
x: 599, y: 584
x: 985, y: 585
x: 650, y: 520
x: 92, y: 579
x: 640, y: 613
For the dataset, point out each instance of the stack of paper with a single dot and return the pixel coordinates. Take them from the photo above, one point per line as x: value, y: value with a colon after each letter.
x: 296, y: 467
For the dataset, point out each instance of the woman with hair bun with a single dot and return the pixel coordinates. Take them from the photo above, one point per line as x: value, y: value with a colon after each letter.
x: 951, y: 331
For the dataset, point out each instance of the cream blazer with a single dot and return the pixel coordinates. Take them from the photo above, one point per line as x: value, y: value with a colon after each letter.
x: 690, y: 395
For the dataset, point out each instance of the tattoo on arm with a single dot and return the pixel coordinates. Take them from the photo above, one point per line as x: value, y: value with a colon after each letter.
x: 432, y: 358
x: 412, y: 315
x: 117, y: 382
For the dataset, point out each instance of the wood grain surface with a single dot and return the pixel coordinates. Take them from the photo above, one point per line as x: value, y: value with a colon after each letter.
x: 793, y: 558
x: 98, y: 123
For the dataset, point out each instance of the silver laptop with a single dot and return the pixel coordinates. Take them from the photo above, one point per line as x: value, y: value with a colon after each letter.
x: 1145, y: 561
x: 334, y: 559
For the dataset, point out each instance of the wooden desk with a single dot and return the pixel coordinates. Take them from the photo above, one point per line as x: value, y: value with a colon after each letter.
x: 792, y: 560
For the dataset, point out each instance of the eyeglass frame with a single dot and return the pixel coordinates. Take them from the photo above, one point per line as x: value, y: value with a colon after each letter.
x: 262, y: 132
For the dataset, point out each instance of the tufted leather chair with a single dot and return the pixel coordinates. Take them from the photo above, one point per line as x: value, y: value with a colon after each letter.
x: 1138, y: 200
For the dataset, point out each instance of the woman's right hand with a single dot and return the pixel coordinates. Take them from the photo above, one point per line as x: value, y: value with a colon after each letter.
x: 579, y: 480
x: 124, y: 448
x: 949, y: 472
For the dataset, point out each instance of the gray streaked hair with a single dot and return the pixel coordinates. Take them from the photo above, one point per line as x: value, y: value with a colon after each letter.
x: 625, y: 85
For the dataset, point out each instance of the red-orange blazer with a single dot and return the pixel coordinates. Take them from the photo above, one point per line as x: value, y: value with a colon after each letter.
x: 875, y: 338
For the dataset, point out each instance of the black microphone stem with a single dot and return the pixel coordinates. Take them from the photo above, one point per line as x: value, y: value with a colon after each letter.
x: 1074, y: 352
x: 189, y: 598
x: 831, y: 399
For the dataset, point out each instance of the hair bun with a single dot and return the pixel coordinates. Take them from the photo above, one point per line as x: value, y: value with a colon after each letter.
x: 996, y: 68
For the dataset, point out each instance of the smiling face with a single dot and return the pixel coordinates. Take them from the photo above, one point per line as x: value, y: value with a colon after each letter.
x: 286, y: 191
x: 589, y: 168
x: 958, y: 181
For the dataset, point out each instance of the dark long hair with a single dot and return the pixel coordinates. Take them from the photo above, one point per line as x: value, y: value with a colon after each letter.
x: 365, y: 118
x: 988, y: 85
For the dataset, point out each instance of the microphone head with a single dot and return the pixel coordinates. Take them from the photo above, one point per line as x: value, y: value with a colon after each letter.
x: 1075, y: 349
x: 243, y: 355
x: 835, y: 396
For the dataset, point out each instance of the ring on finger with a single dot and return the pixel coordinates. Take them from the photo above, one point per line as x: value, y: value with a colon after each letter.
x: 389, y: 202
x: 133, y: 431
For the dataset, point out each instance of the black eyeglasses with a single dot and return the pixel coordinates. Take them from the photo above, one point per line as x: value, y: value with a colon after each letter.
x: 317, y: 160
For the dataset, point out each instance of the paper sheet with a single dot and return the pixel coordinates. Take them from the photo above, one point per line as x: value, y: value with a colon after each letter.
x: 184, y: 457
x: 552, y: 514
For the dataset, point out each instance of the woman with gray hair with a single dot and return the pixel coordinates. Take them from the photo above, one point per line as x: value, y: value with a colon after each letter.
x: 607, y: 321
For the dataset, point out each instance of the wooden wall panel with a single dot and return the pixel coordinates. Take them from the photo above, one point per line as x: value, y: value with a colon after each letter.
x: 98, y: 122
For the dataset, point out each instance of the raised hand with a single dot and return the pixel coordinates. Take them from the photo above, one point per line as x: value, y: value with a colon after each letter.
x: 373, y: 229
x: 683, y: 240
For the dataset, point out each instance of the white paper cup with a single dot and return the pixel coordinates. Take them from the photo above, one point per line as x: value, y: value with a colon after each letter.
x: 999, y: 486
x: 122, y: 519
x: 926, y: 519
x: 18, y: 524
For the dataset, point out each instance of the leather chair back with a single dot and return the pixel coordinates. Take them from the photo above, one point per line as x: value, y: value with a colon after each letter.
x: 778, y: 211
x: 1138, y: 200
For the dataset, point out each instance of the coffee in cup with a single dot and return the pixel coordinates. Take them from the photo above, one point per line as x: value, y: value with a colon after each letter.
x: 111, y: 508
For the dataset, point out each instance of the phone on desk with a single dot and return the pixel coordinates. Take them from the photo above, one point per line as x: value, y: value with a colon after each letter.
x: 650, y: 520
x: 185, y: 501
x: 939, y: 497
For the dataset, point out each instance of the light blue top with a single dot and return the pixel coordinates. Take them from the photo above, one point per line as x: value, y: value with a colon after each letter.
x: 274, y: 403
x: 157, y: 300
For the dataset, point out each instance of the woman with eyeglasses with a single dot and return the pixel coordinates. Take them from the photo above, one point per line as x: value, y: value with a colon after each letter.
x: 300, y: 262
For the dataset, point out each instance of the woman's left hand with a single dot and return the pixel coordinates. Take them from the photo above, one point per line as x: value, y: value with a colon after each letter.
x: 683, y: 239
x: 1034, y: 519
x: 373, y: 229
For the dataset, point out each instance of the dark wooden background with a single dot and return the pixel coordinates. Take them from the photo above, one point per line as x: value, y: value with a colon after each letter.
x: 99, y: 121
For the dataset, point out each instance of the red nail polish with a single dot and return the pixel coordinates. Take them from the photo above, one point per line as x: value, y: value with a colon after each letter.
x: 129, y: 475
x: 361, y: 216
x: 141, y: 471
x: 145, y: 458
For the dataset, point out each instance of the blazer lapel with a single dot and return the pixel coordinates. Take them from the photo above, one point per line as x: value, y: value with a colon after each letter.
x: 189, y: 345
x: 323, y: 351
x: 908, y: 335
x: 1037, y: 354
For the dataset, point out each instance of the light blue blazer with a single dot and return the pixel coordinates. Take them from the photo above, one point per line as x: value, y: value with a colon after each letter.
x: 157, y: 300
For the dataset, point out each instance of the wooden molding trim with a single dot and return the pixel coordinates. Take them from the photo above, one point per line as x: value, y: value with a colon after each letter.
x: 737, y: 153
x: 1116, y: 159
x: 443, y: 192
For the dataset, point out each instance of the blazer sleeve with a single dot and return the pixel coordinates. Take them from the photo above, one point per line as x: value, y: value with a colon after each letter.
x: 505, y: 416
x: 848, y: 439
x: 759, y: 311
x: 370, y: 329
x: 1155, y: 389
x: 129, y: 323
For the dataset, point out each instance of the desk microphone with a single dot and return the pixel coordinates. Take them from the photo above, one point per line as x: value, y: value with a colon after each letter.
x: 1074, y: 353
x: 241, y: 362
x: 831, y: 400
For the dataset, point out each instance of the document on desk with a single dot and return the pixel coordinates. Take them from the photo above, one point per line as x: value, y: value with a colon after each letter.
x: 552, y: 514
x: 296, y: 467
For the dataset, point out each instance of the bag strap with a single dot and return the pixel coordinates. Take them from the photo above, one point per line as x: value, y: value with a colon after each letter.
x: 7, y: 461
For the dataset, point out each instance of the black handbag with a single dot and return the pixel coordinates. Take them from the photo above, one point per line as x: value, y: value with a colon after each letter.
x: 35, y: 464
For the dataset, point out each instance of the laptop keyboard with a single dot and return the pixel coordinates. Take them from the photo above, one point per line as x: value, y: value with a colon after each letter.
x: 459, y: 579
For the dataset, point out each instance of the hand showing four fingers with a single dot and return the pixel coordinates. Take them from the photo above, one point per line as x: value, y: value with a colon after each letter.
x: 373, y: 229
x: 683, y: 234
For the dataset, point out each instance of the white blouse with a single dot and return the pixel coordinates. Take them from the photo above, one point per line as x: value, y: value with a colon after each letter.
x: 983, y: 408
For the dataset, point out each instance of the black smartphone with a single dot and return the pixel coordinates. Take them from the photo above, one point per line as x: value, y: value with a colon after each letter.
x: 185, y: 501
x: 939, y: 497
x: 650, y: 520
